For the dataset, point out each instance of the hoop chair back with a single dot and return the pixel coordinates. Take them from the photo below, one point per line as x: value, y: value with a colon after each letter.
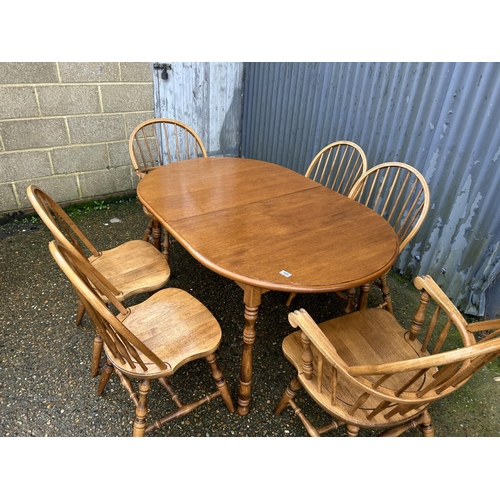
x: 399, y: 193
x: 161, y: 141
x: 338, y: 166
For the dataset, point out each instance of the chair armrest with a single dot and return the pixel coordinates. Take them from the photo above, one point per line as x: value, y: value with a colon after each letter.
x: 441, y: 359
x: 442, y: 300
x: 491, y: 324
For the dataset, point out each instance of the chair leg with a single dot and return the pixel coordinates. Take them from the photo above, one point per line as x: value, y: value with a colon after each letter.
x: 352, y: 430
x: 157, y: 234
x: 291, y: 296
x: 141, y: 410
x: 97, y: 350
x: 363, y: 296
x: 220, y: 382
x: 386, y: 294
x: 149, y: 230
x: 127, y: 385
x: 311, y: 430
x: 106, y: 372
x: 79, y: 313
x: 288, y: 395
x: 166, y: 246
x: 426, y: 425
x: 350, y: 306
x: 175, y: 397
x: 96, y: 355
x: 287, y: 399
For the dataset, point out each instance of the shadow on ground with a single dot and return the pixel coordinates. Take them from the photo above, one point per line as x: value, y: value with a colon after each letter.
x: 45, y: 384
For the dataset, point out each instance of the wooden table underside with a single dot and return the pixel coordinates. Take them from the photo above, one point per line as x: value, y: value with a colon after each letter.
x: 267, y: 228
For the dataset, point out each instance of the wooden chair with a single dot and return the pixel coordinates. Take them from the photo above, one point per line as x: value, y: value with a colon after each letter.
x: 337, y: 166
x: 400, y: 194
x: 367, y: 371
x: 147, y: 341
x: 155, y: 143
x: 129, y: 269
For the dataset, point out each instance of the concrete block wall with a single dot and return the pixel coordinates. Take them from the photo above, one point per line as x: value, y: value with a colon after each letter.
x: 65, y: 128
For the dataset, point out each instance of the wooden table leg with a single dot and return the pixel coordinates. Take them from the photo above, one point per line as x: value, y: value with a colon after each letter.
x: 252, y: 299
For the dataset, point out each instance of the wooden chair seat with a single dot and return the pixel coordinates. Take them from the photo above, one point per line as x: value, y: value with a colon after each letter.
x: 133, y: 267
x: 147, y: 341
x: 367, y: 371
x: 175, y: 326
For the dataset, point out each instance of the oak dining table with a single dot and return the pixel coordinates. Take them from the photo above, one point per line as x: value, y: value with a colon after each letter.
x: 267, y: 227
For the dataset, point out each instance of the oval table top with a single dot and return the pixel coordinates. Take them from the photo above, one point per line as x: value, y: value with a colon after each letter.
x: 265, y: 225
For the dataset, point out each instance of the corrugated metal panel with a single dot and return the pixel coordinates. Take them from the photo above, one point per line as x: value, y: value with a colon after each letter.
x: 441, y: 118
x: 207, y: 96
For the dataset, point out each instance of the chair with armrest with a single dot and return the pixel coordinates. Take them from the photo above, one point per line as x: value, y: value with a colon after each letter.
x: 156, y: 143
x: 129, y: 269
x: 369, y: 372
x: 147, y: 341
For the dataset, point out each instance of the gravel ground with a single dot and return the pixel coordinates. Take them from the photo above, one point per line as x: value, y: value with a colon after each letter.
x: 45, y: 384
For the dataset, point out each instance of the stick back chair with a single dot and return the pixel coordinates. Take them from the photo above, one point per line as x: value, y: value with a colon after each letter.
x: 155, y: 143
x: 367, y: 371
x: 147, y: 341
x: 337, y: 166
x: 129, y: 269
x: 400, y: 194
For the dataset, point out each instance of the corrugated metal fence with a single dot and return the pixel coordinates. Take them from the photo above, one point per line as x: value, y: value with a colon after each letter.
x: 441, y: 118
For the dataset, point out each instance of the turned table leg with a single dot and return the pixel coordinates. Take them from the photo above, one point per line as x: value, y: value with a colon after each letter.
x: 252, y: 298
